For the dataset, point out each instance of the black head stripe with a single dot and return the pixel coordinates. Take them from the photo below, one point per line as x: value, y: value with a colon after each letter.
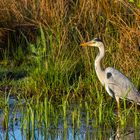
x: 97, y: 39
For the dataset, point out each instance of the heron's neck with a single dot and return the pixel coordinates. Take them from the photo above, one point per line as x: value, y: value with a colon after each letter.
x: 99, y: 71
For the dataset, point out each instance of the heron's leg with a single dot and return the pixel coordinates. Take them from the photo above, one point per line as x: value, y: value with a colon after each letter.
x: 118, y: 105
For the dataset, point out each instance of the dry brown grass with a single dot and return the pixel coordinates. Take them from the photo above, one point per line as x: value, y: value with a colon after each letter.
x: 116, y: 22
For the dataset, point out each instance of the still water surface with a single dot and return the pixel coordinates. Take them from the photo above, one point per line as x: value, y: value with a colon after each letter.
x: 62, y: 128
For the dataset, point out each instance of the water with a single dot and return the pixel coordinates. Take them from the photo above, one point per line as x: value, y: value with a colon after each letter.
x: 56, y: 126
x: 71, y: 134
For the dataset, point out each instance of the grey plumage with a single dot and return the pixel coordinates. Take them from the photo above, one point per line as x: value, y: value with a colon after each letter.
x: 116, y: 84
x: 121, y: 85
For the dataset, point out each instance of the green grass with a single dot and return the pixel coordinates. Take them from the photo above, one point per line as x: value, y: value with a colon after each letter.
x: 44, y: 116
x: 42, y: 61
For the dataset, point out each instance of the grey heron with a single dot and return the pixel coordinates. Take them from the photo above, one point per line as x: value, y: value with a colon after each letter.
x: 116, y: 84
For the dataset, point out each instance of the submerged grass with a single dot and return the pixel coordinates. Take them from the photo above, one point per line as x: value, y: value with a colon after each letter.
x: 41, y: 119
x: 42, y: 62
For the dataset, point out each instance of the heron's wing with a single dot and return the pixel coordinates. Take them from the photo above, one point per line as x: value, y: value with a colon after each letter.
x: 119, y: 85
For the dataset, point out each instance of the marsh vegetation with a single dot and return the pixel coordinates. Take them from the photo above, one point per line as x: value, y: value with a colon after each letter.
x: 51, y: 80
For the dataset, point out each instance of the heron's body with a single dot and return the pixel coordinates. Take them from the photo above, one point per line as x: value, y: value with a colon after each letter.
x: 116, y: 84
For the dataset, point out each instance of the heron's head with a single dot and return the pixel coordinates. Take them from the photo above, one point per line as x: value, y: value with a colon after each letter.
x: 93, y: 43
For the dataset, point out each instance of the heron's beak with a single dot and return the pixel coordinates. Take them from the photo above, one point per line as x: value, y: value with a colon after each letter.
x: 90, y: 43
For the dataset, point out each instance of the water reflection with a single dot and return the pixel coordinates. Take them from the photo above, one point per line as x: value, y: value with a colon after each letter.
x: 70, y: 134
x: 60, y: 128
x: 126, y: 134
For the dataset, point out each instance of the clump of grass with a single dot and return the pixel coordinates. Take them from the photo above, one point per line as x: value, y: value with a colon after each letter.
x: 116, y: 25
x: 43, y: 37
